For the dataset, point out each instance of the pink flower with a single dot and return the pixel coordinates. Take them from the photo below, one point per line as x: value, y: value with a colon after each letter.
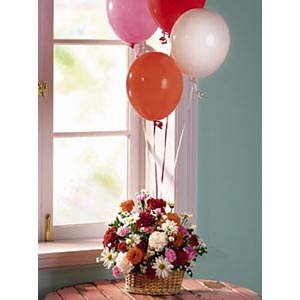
x: 138, y: 197
x: 141, y: 197
x: 147, y: 229
x: 123, y: 230
x: 158, y: 211
x: 183, y: 231
x: 170, y: 255
x: 116, y: 271
x: 190, y: 251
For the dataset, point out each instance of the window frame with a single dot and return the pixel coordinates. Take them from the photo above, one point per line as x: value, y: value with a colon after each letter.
x: 185, y: 176
x: 47, y: 135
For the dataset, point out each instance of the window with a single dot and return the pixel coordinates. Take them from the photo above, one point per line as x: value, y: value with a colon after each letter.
x: 91, y: 143
x: 88, y: 133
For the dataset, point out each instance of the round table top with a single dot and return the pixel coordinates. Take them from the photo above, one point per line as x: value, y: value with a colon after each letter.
x: 192, y: 289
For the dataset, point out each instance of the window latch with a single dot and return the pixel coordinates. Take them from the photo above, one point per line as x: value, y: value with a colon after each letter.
x: 48, y: 227
x: 42, y: 88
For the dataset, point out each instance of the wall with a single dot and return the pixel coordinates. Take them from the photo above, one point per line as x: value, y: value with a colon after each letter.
x: 229, y: 164
x: 50, y: 280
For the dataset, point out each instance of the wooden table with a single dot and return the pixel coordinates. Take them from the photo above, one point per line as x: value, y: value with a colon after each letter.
x: 192, y: 289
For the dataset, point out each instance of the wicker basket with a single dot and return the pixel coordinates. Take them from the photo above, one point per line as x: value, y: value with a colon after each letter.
x: 140, y: 284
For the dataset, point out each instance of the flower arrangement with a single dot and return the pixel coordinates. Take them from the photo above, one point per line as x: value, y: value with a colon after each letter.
x: 148, y: 237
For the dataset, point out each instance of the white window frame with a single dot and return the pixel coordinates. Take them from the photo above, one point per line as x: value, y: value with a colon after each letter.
x: 185, y: 177
x: 46, y: 134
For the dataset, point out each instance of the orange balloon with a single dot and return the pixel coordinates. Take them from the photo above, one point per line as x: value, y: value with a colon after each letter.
x: 154, y: 85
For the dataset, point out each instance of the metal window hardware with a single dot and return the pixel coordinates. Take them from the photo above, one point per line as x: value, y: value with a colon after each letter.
x: 48, y: 227
x: 42, y: 88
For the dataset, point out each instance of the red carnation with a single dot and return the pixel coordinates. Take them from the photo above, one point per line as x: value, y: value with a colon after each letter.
x: 156, y: 203
x: 182, y: 258
x: 122, y: 247
x: 145, y: 220
x: 110, y: 236
x: 142, y: 245
x: 194, y: 240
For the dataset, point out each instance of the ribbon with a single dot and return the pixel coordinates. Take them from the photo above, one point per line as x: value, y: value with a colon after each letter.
x: 183, y: 128
x: 139, y: 49
x: 165, y: 150
x: 193, y: 91
x: 163, y: 38
x: 158, y: 124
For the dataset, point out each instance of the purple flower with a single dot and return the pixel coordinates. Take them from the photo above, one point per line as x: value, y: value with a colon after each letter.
x: 116, y: 271
x: 123, y: 230
x: 183, y: 231
x: 170, y: 255
x: 190, y: 251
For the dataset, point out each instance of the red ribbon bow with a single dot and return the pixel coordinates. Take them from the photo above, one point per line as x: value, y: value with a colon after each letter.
x: 158, y: 124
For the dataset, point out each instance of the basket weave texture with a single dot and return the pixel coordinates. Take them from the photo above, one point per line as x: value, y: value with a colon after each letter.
x: 141, y: 284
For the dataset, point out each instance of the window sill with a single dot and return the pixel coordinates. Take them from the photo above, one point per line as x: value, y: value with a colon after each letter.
x: 68, y: 253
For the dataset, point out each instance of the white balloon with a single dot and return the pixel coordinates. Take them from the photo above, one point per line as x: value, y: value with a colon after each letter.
x: 200, y: 41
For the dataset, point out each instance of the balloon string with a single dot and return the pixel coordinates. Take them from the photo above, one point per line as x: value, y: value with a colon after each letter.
x: 139, y: 49
x: 148, y: 150
x: 183, y: 127
x: 158, y: 124
x: 151, y: 149
x: 164, y: 157
x: 199, y: 94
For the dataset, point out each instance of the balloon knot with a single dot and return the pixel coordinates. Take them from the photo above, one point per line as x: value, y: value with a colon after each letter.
x: 163, y: 38
x: 158, y: 124
x: 200, y: 94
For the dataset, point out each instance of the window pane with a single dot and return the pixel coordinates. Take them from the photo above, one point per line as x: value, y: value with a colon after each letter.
x: 81, y: 19
x: 89, y: 88
x: 89, y: 179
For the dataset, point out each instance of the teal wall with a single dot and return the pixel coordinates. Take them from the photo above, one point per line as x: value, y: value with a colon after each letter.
x: 229, y: 166
x: 51, y: 280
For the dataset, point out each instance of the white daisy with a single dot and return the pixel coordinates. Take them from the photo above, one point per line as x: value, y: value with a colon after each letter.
x: 162, y: 267
x: 133, y: 240
x: 193, y: 227
x: 169, y: 226
x: 108, y: 258
x: 171, y: 238
x: 132, y: 218
x: 202, y: 244
x: 186, y: 215
x: 150, y: 253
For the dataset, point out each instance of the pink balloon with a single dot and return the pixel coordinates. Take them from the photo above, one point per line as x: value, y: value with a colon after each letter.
x: 131, y: 20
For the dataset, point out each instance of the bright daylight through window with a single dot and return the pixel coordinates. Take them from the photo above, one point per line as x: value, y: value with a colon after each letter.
x: 87, y: 131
